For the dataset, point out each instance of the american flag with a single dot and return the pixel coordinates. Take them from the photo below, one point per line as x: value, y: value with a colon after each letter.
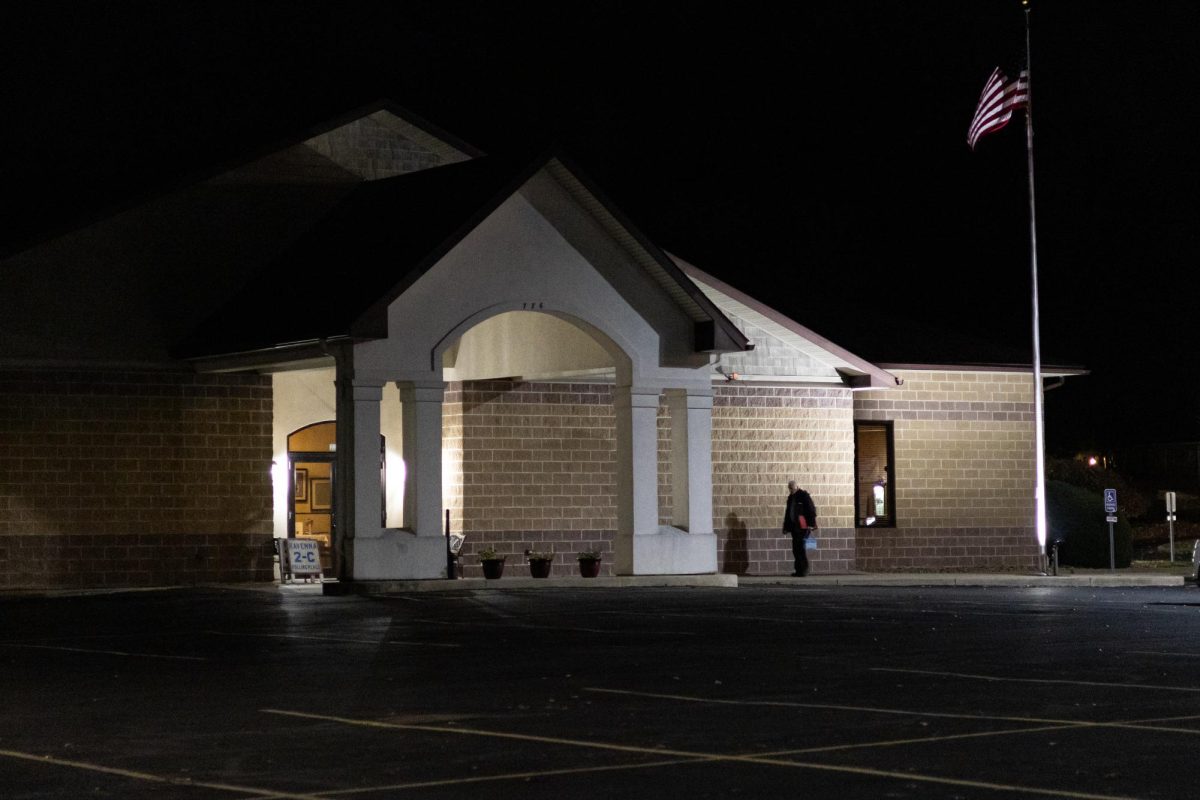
x: 996, y: 103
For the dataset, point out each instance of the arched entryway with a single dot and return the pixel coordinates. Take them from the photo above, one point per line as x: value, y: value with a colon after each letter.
x: 312, y: 478
x: 536, y: 428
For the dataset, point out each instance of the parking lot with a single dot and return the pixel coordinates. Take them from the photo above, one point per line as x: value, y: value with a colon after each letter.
x: 757, y: 691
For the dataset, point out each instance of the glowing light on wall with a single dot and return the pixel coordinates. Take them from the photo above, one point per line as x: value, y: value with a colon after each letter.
x: 451, y: 474
x: 397, y: 471
x: 279, y: 485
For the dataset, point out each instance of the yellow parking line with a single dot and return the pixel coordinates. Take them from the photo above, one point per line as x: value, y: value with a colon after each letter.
x: 1003, y: 679
x: 1180, y: 718
x: 877, y: 773
x: 524, y: 737
x: 1053, y: 724
x: 152, y: 778
x: 835, y: 707
x: 919, y: 740
x: 510, y: 776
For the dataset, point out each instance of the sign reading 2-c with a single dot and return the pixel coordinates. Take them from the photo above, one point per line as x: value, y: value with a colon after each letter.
x: 304, y: 556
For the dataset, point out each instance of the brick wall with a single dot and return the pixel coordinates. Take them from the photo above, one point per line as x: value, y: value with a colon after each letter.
x: 964, y: 473
x: 537, y: 469
x: 762, y: 438
x: 538, y: 472
x: 133, y: 478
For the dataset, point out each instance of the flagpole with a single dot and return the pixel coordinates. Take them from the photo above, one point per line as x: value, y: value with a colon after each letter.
x: 1039, y: 424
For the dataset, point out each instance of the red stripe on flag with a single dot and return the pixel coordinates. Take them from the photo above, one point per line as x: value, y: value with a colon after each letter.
x: 996, y: 103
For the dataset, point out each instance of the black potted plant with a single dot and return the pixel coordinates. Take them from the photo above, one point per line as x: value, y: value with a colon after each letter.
x: 589, y: 563
x: 493, y: 564
x: 539, y: 562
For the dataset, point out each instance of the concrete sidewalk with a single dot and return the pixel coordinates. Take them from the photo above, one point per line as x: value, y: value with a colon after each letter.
x: 1095, y: 579
x: 1089, y: 579
x: 571, y: 582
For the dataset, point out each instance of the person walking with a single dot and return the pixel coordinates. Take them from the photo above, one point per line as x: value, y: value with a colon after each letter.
x: 799, y: 519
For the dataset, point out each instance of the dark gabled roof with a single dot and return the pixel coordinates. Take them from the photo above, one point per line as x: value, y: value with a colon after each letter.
x: 897, y: 343
x: 894, y: 340
x: 320, y: 288
x: 27, y: 228
x: 374, y: 245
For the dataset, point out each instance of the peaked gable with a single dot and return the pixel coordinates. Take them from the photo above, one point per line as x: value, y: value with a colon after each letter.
x: 391, y: 231
x: 786, y: 348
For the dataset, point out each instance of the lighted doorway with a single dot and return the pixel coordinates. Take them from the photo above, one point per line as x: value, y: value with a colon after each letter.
x: 311, y: 455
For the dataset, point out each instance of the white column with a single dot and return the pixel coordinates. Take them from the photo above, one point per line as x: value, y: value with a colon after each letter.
x: 421, y: 409
x: 636, y: 411
x: 700, y: 472
x: 691, y: 459
x: 343, y: 483
x: 366, y: 492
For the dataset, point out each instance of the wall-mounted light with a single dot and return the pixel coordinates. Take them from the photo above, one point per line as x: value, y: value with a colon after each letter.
x: 729, y: 376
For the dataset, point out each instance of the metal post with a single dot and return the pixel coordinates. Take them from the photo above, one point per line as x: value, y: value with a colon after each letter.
x: 449, y: 553
x: 1112, y: 550
x: 1171, y: 523
x: 1038, y: 416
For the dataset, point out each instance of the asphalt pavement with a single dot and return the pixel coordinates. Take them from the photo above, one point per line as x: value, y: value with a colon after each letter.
x: 796, y: 690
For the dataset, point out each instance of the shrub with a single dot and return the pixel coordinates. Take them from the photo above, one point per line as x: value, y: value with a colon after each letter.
x: 1077, y: 516
x: 1133, y: 502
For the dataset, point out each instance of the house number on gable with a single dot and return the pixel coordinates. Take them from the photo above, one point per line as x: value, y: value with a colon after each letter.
x: 532, y: 306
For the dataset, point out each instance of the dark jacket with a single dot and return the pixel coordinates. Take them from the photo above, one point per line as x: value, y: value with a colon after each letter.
x: 799, y: 503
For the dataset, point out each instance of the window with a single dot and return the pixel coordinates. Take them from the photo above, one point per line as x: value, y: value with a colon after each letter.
x: 874, y: 477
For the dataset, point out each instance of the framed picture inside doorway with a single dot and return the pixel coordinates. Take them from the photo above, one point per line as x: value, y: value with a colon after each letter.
x: 321, y: 496
x: 301, y: 481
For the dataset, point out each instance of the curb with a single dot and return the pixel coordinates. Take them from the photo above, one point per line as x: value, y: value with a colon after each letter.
x: 378, y: 588
x: 1016, y: 581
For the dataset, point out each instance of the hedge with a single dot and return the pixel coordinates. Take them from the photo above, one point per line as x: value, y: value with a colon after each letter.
x: 1077, y: 516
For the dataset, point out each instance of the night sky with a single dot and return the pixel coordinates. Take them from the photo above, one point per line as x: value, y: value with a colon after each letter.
x: 813, y: 157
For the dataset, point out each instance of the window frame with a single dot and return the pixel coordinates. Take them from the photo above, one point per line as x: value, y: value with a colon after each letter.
x: 890, y: 469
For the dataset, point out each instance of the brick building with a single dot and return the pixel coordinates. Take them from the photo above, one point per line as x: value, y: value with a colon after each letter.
x: 375, y: 323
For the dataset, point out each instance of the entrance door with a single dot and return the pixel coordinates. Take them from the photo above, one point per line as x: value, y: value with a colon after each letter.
x: 311, y: 459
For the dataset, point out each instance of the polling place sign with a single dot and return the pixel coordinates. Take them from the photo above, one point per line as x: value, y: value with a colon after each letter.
x: 304, y: 557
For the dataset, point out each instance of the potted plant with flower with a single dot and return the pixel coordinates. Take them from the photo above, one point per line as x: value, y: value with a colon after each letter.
x: 589, y: 563
x: 539, y: 562
x: 492, y: 562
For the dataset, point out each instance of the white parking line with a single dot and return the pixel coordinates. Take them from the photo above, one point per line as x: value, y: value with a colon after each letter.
x: 332, y: 639
x: 525, y: 625
x: 1161, y: 653
x: 746, y: 618
x: 103, y: 652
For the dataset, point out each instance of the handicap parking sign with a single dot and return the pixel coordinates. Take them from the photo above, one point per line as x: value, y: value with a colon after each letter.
x: 1110, y: 501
